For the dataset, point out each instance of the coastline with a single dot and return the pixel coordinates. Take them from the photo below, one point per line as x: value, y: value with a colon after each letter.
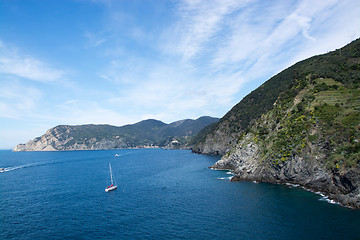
x: 324, y: 196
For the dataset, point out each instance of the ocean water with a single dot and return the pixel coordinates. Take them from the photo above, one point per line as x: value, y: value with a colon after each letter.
x: 162, y: 194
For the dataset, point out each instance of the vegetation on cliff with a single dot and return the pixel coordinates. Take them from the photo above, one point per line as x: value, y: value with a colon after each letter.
x: 326, y: 110
x: 323, y: 114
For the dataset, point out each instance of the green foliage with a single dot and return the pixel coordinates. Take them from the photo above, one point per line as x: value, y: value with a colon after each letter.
x: 327, y: 112
x: 346, y: 156
x: 323, y: 87
x: 201, y: 135
x: 262, y: 132
x: 292, y: 135
x: 352, y: 119
x: 313, y: 138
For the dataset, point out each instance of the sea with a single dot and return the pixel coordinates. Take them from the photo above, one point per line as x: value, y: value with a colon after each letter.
x: 161, y: 194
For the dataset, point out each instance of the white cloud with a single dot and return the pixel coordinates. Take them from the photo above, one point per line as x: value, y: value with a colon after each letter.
x: 94, y: 40
x: 21, y: 65
x: 199, y: 22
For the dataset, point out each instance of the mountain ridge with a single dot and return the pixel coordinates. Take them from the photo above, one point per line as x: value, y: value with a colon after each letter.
x: 146, y: 133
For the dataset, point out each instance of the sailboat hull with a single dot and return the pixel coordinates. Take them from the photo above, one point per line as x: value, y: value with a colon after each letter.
x: 113, y: 182
x: 110, y: 188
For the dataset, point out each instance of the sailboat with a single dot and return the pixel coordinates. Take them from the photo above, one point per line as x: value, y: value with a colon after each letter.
x: 113, y: 182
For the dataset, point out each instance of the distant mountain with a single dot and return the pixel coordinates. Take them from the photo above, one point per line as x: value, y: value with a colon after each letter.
x: 147, y: 133
x: 302, y: 126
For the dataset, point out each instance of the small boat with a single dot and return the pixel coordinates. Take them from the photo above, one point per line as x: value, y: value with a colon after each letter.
x: 113, y: 185
x: 2, y: 169
x: 117, y: 155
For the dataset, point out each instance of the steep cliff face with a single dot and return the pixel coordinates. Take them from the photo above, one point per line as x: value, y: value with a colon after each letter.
x: 307, y: 133
x: 60, y: 139
x: 216, y: 143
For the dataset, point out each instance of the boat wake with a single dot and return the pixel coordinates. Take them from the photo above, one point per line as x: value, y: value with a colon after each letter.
x: 35, y: 164
x: 122, y: 154
x: 8, y: 169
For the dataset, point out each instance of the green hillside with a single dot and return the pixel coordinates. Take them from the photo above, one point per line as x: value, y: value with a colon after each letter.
x: 334, y: 78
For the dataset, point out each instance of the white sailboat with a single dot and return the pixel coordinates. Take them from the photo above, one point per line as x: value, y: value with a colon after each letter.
x: 113, y: 185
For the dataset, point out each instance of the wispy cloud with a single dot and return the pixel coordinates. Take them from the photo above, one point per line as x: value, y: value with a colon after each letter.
x: 237, y: 35
x: 24, y: 66
x: 94, y: 40
x: 199, y: 22
x: 17, y: 101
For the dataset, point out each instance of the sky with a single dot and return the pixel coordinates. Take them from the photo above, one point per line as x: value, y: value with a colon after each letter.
x: 122, y: 61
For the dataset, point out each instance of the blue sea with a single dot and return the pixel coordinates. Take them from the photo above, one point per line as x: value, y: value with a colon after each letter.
x: 162, y: 194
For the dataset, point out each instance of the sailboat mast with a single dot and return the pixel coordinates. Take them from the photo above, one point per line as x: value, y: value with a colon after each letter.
x: 111, y: 174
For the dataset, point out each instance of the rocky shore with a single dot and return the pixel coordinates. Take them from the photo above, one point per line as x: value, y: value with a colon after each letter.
x: 308, y: 172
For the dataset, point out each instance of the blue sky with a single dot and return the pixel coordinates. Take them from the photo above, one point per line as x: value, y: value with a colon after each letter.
x: 120, y: 62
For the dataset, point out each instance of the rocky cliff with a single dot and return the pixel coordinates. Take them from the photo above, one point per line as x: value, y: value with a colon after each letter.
x: 247, y: 163
x: 147, y: 133
x: 60, y: 139
x: 302, y: 126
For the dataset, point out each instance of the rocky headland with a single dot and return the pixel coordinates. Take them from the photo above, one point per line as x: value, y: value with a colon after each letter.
x: 300, y: 127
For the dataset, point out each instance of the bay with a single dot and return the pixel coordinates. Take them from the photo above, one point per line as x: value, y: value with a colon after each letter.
x: 161, y: 194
